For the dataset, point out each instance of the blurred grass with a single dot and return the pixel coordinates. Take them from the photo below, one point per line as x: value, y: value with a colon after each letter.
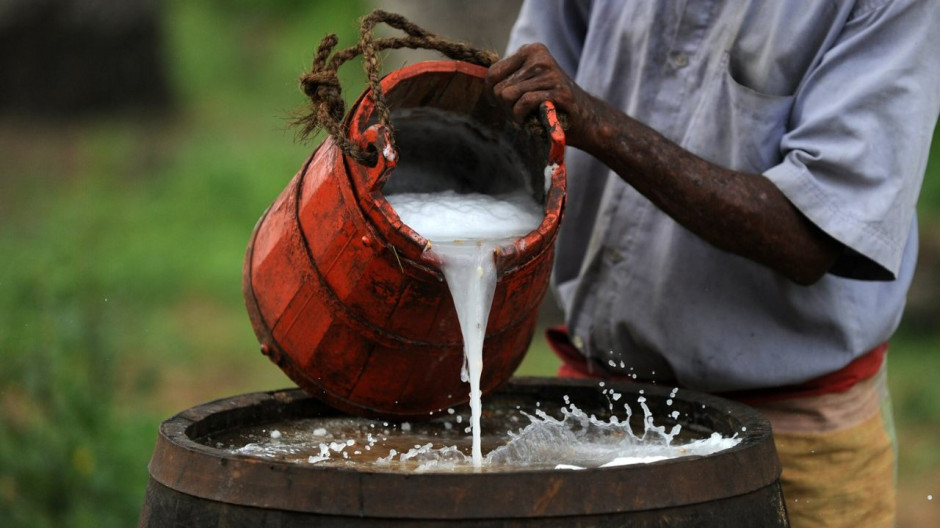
x: 929, y: 204
x: 122, y: 240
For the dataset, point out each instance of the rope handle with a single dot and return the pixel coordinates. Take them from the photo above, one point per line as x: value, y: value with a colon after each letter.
x: 321, y: 84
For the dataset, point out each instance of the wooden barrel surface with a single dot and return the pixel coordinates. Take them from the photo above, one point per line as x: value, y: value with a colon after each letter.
x: 195, y: 484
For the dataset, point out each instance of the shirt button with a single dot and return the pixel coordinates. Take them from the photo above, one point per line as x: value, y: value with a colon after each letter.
x: 577, y: 342
x: 613, y: 256
x: 678, y: 59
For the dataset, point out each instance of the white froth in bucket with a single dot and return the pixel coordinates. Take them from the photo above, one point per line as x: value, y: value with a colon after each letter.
x: 449, y: 216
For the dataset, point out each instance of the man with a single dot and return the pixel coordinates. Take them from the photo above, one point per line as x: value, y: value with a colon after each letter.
x: 741, y: 209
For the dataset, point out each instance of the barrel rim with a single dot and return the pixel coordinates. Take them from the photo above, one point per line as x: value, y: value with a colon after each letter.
x: 183, y: 464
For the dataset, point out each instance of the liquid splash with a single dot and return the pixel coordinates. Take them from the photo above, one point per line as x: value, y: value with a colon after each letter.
x: 574, y: 440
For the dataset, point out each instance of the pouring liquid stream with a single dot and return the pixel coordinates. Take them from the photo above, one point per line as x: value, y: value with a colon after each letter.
x: 464, y: 230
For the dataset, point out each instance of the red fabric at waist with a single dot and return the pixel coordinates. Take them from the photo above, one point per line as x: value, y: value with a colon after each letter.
x: 575, y: 365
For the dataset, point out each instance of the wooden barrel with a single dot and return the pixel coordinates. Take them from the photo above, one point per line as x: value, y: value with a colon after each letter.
x: 349, y: 301
x: 195, y: 483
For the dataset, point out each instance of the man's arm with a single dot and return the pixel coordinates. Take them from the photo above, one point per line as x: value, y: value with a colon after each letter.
x: 743, y: 213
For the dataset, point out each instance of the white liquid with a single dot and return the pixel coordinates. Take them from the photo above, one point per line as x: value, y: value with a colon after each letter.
x: 464, y: 229
x: 448, y: 216
x: 584, y: 441
x: 576, y: 440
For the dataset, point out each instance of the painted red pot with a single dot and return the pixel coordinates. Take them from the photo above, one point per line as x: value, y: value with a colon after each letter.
x: 349, y: 301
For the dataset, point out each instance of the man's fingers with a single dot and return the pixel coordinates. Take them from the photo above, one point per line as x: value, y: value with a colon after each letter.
x: 503, y: 68
x: 509, y: 90
x: 529, y: 102
x: 514, y: 65
x: 525, y: 79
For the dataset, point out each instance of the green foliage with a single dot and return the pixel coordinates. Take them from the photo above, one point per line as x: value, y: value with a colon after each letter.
x: 539, y: 360
x: 929, y: 203
x: 113, y: 232
x: 68, y: 458
x: 913, y: 362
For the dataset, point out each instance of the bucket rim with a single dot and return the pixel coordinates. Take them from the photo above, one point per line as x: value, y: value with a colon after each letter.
x: 412, y: 245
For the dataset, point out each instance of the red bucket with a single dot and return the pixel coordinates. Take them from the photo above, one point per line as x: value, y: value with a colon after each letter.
x: 350, y: 302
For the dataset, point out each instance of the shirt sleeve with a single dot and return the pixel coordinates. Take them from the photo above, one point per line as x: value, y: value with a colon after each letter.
x: 860, y: 130
x: 559, y: 24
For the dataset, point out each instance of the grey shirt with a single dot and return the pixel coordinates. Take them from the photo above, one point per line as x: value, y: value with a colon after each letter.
x: 834, y: 101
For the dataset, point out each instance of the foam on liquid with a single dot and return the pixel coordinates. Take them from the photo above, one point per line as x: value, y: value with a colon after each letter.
x: 576, y: 440
x: 464, y: 230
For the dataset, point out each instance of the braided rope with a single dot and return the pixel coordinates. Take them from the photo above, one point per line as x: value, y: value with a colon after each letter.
x: 321, y: 84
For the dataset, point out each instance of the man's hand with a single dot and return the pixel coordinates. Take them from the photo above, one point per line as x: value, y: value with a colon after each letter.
x: 530, y: 76
x: 739, y: 212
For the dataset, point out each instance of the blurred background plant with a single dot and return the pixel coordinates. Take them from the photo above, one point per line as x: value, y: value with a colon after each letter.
x: 139, y: 143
